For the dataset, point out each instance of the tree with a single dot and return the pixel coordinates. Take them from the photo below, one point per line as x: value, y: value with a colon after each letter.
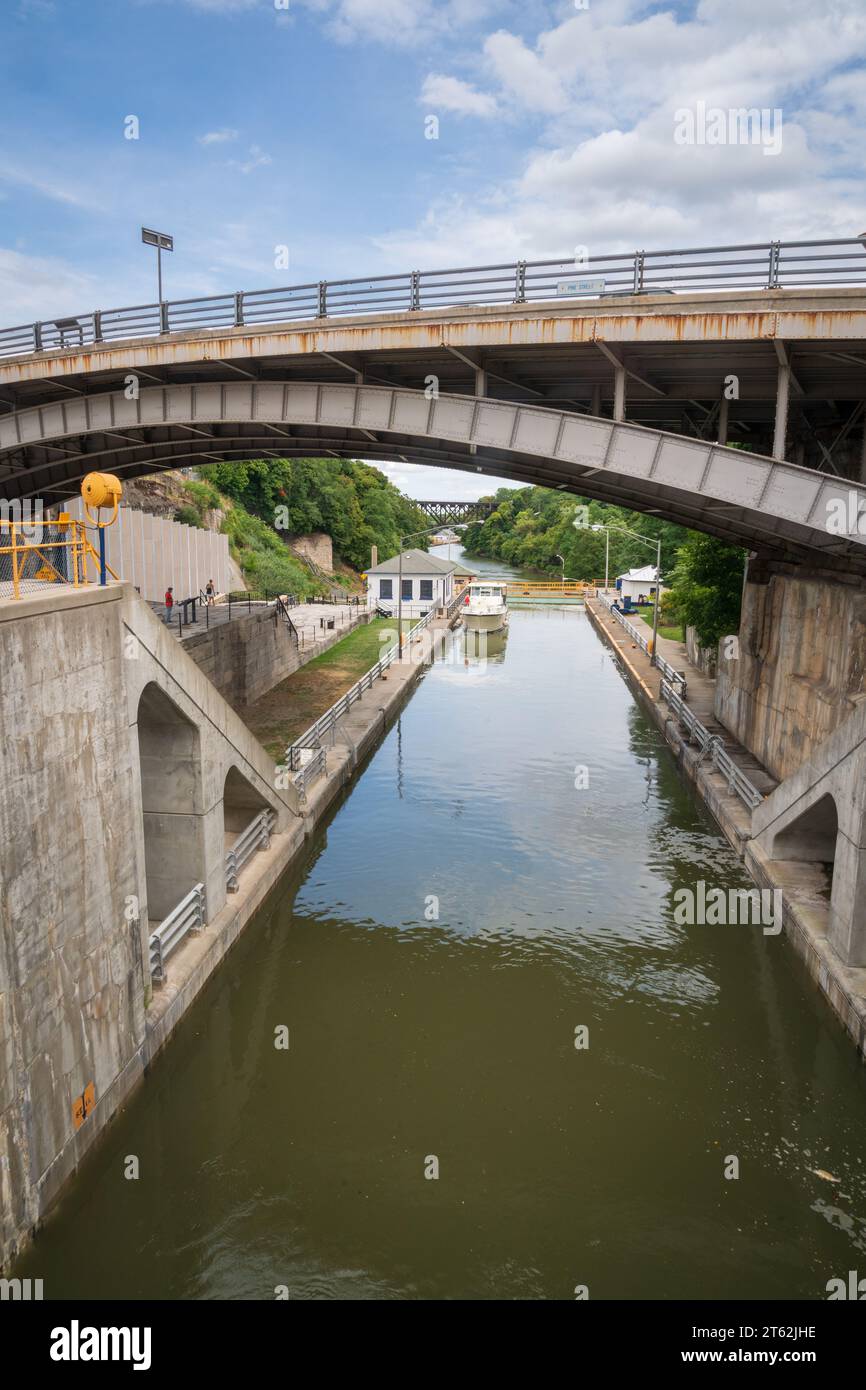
x: 707, y: 585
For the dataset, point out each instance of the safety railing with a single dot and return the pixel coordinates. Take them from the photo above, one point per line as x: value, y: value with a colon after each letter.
x: 768, y: 265
x: 675, y: 677
x: 306, y: 756
x: 455, y: 601
x: 190, y: 915
x: 257, y: 835
x: 35, y: 555
x: 713, y: 745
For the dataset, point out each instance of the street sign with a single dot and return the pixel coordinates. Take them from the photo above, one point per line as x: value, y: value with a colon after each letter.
x: 160, y: 239
x: 575, y: 287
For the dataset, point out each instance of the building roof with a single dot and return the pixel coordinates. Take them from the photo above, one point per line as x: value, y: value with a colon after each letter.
x: 646, y: 575
x: 415, y: 562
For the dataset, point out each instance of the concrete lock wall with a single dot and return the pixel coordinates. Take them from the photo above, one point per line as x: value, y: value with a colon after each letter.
x: 247, y: 657
x: 72, y: 981
x: 124, y: 769
x: 151, y: 552
x: 799, y: 671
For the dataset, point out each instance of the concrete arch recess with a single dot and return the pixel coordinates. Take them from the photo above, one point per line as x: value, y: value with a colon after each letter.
x: 818, y: 815
x: 163, y: 681
x: 169, y: 750
x: 772, y: 507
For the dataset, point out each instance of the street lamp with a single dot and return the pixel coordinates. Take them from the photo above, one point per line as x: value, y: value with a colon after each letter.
x: 647, y: 540
x: 559, y: 557
x: 403, y: 539
x: 163, y: 242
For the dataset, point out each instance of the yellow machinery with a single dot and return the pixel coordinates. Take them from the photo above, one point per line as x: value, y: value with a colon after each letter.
x: 101, y: 490
x: 61, y: 555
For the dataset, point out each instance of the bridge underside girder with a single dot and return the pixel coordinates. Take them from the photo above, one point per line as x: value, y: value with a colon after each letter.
x: 666, y: 361
x: 772, y: 508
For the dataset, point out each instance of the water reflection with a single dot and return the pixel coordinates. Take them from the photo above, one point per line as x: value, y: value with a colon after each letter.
x: 473, y: 902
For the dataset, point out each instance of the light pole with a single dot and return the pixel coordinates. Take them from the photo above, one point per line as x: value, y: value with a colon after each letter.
x: 163, y: 242
x: 403, y: 539
x: 559, y: 557
x: 647, y: 540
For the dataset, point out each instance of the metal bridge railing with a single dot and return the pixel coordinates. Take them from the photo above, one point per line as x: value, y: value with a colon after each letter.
x: 769, y: 265
x: 306, y: 757
x: 257, y: 835
x: 713, y: 745
x: 189, y: 915
x: 674, y: 676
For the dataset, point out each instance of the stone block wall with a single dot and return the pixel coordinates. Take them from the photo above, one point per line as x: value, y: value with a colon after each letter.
x: 801, y: 664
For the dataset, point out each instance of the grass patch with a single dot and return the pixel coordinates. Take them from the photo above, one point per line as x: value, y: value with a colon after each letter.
x: 673, y: 632
x: 297, y: 702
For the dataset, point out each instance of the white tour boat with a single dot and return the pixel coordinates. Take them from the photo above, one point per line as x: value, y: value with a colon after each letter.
x: 484, y: 607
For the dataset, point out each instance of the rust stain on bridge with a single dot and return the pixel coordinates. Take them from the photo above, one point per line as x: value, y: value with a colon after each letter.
x: 751, y: 316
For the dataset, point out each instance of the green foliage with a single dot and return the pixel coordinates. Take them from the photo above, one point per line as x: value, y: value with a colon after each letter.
x: 190, y: 516
x: 351, y: 501
x: 531, y: 526
x: 204, y: 496
x: 707, y: 586
x: 264, y: 557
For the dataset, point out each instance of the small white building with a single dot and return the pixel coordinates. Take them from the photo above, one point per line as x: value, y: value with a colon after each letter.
x: 428, y: 582
x: 639, y: 583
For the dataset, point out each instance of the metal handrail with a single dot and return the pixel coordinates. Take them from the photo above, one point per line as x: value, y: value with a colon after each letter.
x: 257, y: 835
x: 664, y: 666
x: 61, y: 554
x: 713, y: 745
x: 307, y: 768
x: 768, y: 265
x: 189, y: 915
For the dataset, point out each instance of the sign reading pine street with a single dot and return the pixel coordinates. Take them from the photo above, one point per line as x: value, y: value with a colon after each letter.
x: 572, y: 287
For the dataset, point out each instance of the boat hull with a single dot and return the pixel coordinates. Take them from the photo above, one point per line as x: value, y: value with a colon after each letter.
x: 485, y: 622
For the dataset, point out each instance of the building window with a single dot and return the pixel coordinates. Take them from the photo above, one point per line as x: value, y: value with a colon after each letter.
x: 407, y: 590
x: 386, y: 588
x: 426, y: 589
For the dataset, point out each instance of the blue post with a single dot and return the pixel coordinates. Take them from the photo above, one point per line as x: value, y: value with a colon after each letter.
x: 102, y: 555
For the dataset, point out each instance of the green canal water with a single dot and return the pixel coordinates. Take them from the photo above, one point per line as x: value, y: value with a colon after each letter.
x: 416, y: 1037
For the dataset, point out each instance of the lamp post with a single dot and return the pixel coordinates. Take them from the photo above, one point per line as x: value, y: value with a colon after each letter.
x: 413, y: 535
x: 647, y: 540
x: 562, y: 562
x: 163, y: 242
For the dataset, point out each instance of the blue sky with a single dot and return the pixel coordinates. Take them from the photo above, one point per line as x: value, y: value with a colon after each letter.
x: 262, y: 126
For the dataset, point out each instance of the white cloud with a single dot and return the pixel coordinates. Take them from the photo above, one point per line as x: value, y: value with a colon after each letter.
x: 217, y: 137
x: 401, y: 23
x: 523, y: 74
x: 257, y: 158
x: 33, y: 286
x: 222, y: 6
x: 605, y: 172
x: 451, y: 94
x: 55, y: 191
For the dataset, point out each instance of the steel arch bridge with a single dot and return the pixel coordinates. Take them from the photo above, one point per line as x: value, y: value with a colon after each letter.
x: 768, y: 506
x: 621, y: 397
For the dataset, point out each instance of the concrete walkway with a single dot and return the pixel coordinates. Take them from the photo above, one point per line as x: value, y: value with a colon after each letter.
x: 310, y: 619
x: 732, y: 813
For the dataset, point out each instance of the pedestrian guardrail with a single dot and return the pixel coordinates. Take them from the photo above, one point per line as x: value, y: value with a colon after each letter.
x: 713, y: 745
x: 257, y: 835
x: 189, y: 915
x: 676, y: 677
x: 768, y: 265
x: 298, y: 754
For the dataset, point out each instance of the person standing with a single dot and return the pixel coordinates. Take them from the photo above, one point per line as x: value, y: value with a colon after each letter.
x: 169, y: 603
x: 210, y: 592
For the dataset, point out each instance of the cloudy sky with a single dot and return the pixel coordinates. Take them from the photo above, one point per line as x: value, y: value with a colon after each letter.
x: 304, y: 123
